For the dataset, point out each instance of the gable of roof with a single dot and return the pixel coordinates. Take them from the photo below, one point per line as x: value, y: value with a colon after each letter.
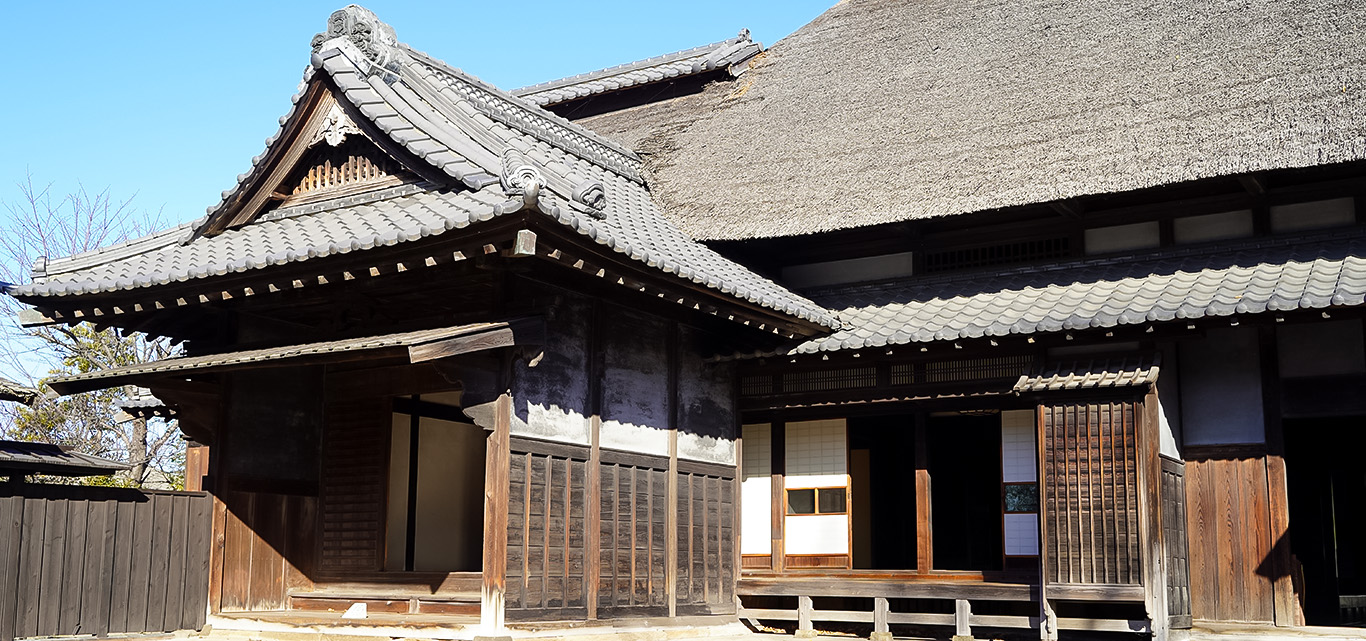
x: 882, y: 111
x: 484, y: 154
x: 726, y: 54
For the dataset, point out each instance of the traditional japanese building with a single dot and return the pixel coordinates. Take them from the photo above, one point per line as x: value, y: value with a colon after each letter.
x: 960, y: 315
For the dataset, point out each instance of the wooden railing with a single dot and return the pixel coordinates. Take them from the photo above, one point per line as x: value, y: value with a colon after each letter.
x: 884, y: 592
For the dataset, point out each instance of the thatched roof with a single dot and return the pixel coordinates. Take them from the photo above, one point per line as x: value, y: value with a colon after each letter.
x: 886, y: 111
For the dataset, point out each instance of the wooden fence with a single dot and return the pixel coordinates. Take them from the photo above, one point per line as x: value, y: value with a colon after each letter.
x: 95, y: 561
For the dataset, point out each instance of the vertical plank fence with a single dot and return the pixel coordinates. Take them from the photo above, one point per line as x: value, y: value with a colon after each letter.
x: 80, y: 560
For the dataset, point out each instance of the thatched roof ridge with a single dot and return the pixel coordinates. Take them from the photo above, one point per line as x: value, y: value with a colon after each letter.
x: 881, y: 111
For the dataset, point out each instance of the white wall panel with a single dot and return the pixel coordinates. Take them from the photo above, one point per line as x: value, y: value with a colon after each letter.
x: 817, y: 534
x: 756, y: 490
x: 1019, y: 457
x: 1022, y: 534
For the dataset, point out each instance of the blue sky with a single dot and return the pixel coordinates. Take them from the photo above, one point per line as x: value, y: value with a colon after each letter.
x: 170, y: 100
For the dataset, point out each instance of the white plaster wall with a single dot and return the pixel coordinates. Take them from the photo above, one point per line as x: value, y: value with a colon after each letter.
x: 1169, y: 401
x: 816, y: 534
x: 1103, y: 240
x: 1229, y: 224
x: 756, y: 490
x: 816, y: 454
x: 1313, y: 215
x: 1221, y: 388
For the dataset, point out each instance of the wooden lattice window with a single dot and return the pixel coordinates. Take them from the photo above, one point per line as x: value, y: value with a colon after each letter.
x: 1091, y: 494
x: 1025, y: 251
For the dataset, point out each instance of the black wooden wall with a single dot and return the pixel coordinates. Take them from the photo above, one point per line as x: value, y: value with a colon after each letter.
x: 80, y: 560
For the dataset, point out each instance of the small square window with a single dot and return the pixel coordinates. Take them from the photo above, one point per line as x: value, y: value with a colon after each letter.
x: 831, y: 500
x: 801, y: 501
x: 1022, y: 497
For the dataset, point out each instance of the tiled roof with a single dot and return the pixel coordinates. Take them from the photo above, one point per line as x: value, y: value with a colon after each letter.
x: 1263, y: 276
x: 16, y: 393
x: 1131, y: 371
x: 718, y: 55
x: 46, y: 458
x: 342, y: 228
x: 463, y: 128
x: 99, y: 378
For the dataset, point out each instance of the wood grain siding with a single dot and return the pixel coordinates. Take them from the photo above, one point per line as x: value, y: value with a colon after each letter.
x: 706, y: 540
x: 269, y: 548
x: 100, y: 561
x: 1091, y: 494
x: 1227, y: 519
x: 546, y: 532
x: 632, y: 506
x: 1174, y: 543
x: 355, y: 456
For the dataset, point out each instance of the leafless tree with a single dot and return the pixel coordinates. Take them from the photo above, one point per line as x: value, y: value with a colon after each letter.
x: 39, y: 225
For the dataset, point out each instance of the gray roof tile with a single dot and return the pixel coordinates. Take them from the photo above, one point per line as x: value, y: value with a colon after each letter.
x: 680, y: 64
x: 1308, y: 272
x: 462, y: 127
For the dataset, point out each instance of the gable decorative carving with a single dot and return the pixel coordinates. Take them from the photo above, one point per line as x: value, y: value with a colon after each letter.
x: 335, y: 127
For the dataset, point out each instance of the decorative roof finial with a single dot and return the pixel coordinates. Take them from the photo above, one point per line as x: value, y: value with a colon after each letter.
x: 744, y: 34
x: 362, y: 28
x: 520, y: 177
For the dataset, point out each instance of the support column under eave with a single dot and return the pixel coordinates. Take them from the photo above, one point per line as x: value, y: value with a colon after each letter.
x: 496, y: 468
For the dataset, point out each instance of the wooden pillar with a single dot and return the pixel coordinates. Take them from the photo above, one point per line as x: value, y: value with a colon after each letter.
x: 804, y: 628
x: 1153, y: 560
x: 924, y: 532
x: 592, y: 562
x: 496, y: 469
x: 962, y: 624
x: 881, y: 631
x: 1047, y: 628
x: 1286, y: 605
x: 779, y: 495
x: 592, y: 568
x: 671, y: 481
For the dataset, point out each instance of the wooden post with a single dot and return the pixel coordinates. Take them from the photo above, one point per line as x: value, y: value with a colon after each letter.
x: 1048, y: 630
x: 924, y: 531
x: 1153, y: 561
x: 779, y: 502
x: 592, y: 562
x: 671, y: 526
x: 804, y: 627
x: 496, y: 470
x: 1286, y: 610
x: 671, y: 481
x: 962, y: 626
x: 881, y: 631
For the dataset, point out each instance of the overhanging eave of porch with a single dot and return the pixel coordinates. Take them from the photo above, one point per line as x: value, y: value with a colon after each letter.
x: 414, y: 347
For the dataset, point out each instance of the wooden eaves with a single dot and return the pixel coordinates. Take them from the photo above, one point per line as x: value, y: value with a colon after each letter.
x: 414, y: 347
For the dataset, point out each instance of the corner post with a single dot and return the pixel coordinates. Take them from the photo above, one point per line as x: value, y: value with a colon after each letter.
x: 496, y: 471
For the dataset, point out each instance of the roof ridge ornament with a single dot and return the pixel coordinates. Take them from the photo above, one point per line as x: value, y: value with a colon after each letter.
x: 521, y: 177
x: 593, y: 195
x: 361, y: 27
